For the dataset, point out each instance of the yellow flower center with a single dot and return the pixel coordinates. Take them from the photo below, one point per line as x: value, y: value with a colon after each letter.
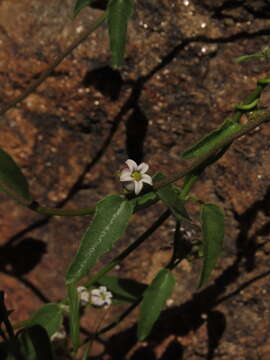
x: 137, y: 176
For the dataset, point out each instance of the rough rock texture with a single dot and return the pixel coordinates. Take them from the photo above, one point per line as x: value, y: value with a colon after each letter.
x: 73, y: 133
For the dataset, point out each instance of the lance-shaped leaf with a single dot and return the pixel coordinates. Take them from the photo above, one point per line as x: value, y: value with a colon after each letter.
x: 153, y: 302
x: 48, y: 316
x: 124, y: 290
x: 248, y: 57
x: 170, y: 195
x: 12, y: 180
x: 35, y: 344
x: 109, y: 223
x: 119, y: 12
x: 213, y: 234
x: 80, y: 4
x: 208, y: 142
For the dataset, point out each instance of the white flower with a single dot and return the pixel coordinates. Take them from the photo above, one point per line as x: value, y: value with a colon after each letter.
x: 133, y: 176
x: 101, y: 296
x: 59, y: 335
x: 84, y: 295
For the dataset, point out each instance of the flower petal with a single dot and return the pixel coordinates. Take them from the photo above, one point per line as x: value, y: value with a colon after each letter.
x: 129, y: 185
x: 147, y: 179
x: 59, y: 335
x: 131, y: 165
x: 108, y: 301
x: 95, y: 292
x: 142, y: 168
x: 138, y: 187
x: 97, y: 301
x: 84, y: 298
x: 125, y: 176
x: 81, y: 289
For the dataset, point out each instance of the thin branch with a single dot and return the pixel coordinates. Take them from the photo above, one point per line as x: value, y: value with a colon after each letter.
x: 256, y: 118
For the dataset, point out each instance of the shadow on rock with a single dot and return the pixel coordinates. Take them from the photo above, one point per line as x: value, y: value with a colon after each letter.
x: 99, y: 4
x: 106, y: 80
x: 247, y: 245
x: 173, y: 351
x: 21, y: 258
x: 145, y: 353
x: 216, y: 325
x: 136, y: 129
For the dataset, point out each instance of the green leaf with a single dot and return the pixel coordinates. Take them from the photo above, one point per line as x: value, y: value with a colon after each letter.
x: 108, y: 225
x: 80, y: 4
x: 145, y: 200
x: 86, y: 353
x: 248, y: 57
x: 170, y: 195
x: 119, y: 12
x: 35, y: 344
x: 154, y: 300
x: 126, y: 290
x: 48, y: 316
x: 74, y: 316
x: 208, y: 142
x: 12, y: 180
x: 213, y: 234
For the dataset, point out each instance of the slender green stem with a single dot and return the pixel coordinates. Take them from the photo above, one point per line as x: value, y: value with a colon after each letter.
x: 180, y: 249
x: 190, y: 181
x: 128, y: 310
x: 118, y: 259
x: 256, y: 119
x: 162, y: 218
x: 255, y: 95
x: 35, y: 84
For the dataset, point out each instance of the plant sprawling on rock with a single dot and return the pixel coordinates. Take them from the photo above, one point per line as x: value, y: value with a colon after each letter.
x: 111, y: 216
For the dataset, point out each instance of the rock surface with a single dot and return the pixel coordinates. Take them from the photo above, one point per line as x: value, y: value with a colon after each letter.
x: 74, y: 132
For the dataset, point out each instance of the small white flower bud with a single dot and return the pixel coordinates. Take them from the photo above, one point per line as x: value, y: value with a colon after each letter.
x: 101, y: 297
x: 59, y: 335
x: 84, y: 295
